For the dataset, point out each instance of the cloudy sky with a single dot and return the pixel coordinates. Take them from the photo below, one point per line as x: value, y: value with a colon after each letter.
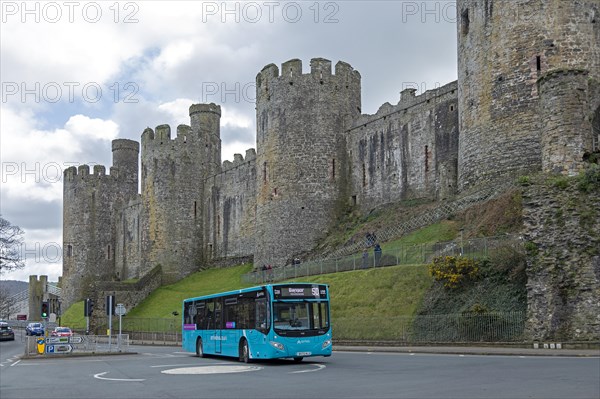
x: 76, y: 75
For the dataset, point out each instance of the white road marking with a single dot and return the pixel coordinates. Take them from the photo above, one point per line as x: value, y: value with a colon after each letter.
x: 211, y: 370
x: 99, y: 376
x: 15, y: 363
x: 173, y: 365
x: 319, y: 367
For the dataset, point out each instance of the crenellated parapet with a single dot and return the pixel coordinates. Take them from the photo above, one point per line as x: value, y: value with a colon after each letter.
x: 410, y: 102
x: 345, y: 76
x: 161, y: 136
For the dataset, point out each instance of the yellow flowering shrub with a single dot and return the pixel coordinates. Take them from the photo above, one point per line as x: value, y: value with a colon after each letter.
x: 453, y: 271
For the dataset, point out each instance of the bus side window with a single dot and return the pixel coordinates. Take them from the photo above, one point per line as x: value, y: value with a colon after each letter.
x: 199, y: 315
x: 262, y: 322
x: 218, y: 314
x: 210, y: 316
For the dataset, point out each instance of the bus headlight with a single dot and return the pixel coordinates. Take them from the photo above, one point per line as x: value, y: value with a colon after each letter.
x: 326, y: 344
x: 277, y: 345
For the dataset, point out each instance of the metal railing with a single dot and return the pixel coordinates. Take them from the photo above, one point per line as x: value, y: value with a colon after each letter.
x: 476, y: 248
x: 77, y: 344
x: 451, y: 328
x: 441, y: 212
x: 464, y: 327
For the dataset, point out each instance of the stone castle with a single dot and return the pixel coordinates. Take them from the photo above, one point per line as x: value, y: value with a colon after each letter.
x: 527, y: 99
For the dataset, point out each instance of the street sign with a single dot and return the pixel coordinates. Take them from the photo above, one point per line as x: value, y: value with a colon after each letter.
x: 59, y: 348
x: 75, y: 340
x: 57, y: 340
x: 120, y: 310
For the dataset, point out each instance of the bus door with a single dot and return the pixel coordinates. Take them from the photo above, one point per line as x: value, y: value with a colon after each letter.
x: 218, y: 321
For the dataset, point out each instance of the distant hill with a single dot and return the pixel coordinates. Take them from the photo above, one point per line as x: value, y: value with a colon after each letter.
x: 13, y: 286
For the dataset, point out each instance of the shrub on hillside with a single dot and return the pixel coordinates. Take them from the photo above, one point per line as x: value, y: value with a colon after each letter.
x: 454, y: 270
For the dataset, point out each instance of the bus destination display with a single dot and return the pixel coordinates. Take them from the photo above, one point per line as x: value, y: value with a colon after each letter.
x: 300, y: 292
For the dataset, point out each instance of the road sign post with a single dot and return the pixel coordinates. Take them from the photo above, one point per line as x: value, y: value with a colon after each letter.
x: 109, y: 305
x: 120, y: 311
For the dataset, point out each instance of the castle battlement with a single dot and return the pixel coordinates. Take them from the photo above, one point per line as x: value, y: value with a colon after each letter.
x: 320, y: 72
x: 238, y: 160
x: 161, y: 135
x: 82, y: 172
x: 408, y: 101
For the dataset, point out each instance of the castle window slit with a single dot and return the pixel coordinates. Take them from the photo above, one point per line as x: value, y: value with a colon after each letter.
x: 264, y: 172
x: 364, y: 175
x: 333, y: 168
x: 465, y: 21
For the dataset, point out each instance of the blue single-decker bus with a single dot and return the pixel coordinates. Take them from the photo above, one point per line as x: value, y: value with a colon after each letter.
x: 266, y: 322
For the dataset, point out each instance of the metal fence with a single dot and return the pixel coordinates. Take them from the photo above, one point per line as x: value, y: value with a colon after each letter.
x: 404, y: 255
x: 77, y: 344
x: 149, y: 330
x: 451, y: 328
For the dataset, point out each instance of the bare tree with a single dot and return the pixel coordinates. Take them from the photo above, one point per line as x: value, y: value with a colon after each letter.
x: 11, y: 238
x: 7, y: 303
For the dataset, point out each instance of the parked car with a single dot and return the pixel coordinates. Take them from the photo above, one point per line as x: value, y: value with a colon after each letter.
x: 34, y: 329
x: 62, y: 332
x: 6, y: 333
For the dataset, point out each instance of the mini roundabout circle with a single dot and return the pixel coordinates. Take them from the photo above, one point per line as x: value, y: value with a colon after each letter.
x: 213, y: 369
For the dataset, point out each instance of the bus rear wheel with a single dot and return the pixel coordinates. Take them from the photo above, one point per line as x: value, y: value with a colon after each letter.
x: 199, y: 350
x: 244, y: 352
x: 298, y: 359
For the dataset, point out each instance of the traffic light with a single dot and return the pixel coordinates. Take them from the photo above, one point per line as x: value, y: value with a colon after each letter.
x: 45, y: 309
x: 88, y: 307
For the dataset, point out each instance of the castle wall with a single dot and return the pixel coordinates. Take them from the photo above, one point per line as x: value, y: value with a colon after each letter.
x: 301, y: 154
x: 230, y: 209
x: 503, y: 48
x: 90, y: 204
x: 405, y: 151
x: 128, y: 241
x: 562, y: 226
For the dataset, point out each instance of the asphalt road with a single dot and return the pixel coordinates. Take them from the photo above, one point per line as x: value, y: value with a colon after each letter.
x: 166, y: 372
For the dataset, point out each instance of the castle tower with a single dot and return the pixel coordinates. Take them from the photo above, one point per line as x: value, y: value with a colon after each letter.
x: 504, y: 47
x: 173, y: 174
x: 301, y: 159
x: 90, y: 205
x: 566, y: 126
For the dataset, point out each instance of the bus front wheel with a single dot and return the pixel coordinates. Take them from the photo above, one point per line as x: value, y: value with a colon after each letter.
x: 199, y: 350
x: 244, y: 352
x: 298, y: 359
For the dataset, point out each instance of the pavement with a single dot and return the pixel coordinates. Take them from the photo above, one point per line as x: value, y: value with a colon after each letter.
x: 472, y: 350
